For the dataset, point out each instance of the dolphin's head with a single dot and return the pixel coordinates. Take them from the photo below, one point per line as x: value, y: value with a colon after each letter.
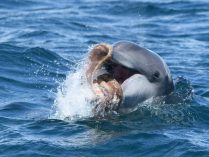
x: 151, y: 75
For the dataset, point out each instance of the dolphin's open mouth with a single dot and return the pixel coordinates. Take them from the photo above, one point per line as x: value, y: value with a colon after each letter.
x: 119, y: 72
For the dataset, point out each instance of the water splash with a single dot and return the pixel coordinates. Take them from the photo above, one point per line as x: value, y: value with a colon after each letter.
x: 73, y: 97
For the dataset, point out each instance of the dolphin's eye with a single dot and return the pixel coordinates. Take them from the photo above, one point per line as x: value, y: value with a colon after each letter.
x: 156, y: 75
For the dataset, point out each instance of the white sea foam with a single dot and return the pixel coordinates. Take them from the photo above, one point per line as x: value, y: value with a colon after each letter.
x: 73, y: 97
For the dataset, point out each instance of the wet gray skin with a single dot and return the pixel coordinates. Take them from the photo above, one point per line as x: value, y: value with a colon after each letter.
x: 152, y: 76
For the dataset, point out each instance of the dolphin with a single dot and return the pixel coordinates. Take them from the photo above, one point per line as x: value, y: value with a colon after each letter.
x: 151, y: 76
x: 124, y: 75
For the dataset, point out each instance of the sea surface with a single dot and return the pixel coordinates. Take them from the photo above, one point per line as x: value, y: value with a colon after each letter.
x: 44, y: 107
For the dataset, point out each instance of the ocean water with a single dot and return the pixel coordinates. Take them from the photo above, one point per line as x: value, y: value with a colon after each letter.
x: 44, y: 110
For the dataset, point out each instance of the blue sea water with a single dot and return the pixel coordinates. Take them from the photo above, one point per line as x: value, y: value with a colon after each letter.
x: 42, y: 105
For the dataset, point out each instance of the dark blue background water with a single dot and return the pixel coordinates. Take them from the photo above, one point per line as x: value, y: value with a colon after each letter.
x: 42, y: 41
